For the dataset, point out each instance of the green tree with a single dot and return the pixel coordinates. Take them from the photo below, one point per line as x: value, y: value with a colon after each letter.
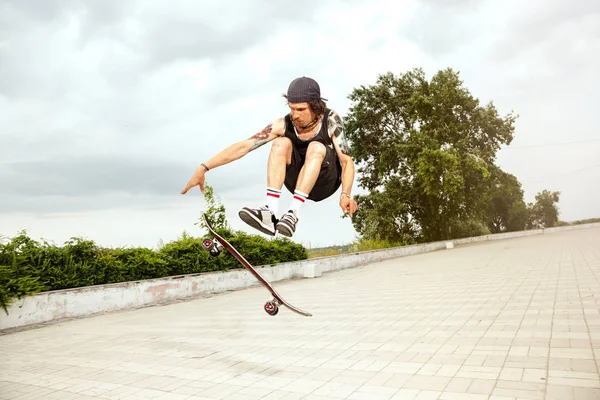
x: 424, y: 151
x: 544, y: 212
x: 384, y: 217
x: 507, y: 211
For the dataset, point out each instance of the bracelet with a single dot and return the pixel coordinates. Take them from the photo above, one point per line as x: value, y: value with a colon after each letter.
x: 205, y: 167
x: 345, y: 194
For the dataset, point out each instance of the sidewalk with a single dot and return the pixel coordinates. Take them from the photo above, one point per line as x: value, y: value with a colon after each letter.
x: 513, y: 319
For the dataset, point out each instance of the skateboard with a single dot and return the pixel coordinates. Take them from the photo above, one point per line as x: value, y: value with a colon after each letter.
x: 216, y: 245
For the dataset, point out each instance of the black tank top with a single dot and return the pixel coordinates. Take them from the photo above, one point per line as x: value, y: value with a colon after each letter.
x: 321, y: 136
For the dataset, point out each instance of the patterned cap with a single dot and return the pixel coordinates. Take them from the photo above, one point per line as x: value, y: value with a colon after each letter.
x: 303, y: 89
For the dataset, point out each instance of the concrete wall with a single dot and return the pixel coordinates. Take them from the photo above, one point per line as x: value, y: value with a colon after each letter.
x: 80, y: 302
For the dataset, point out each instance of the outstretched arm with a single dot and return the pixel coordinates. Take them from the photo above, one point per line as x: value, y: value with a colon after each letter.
x: 235, y: 152
x: 240, y: 149
x: 337, y: 132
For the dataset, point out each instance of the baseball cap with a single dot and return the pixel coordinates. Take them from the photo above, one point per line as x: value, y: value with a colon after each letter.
x: 303, y: 89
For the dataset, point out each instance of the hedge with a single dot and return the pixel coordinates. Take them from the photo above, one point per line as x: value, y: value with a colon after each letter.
x: 28, y: 267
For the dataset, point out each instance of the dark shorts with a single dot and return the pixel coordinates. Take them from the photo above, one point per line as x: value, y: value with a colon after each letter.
x: 329, y: 180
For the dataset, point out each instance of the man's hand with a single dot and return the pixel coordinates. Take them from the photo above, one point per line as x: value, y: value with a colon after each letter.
x: 348, y: 205
x: 196, y: 180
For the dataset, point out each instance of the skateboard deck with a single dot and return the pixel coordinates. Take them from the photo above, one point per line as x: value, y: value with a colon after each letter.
x: 215, y: 246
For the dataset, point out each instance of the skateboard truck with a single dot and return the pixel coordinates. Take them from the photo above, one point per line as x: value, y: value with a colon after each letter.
x: 212, y: 246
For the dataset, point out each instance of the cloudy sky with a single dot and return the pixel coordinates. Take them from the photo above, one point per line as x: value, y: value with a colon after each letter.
x: 106, y: 107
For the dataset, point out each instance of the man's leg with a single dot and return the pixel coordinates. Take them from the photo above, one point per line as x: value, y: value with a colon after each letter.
x: 312, y: 167
x: 264, y: 218
x: 315, y: 154
x: 279, y: 158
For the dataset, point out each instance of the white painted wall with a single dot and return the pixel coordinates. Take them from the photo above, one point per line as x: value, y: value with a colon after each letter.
x: 80, y: 302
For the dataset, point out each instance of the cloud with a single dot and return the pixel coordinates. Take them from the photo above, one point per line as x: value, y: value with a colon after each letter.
x: 190, y: 31
x: 99, y: 98
x: 91, y: 176
x: 100, y: 182
x: 441, y: 28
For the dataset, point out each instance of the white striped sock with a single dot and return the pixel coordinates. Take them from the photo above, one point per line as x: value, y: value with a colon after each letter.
x: 299, y: 199
x: 273, y: 196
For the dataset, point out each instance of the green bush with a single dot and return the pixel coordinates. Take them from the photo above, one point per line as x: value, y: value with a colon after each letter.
x: 468, y: 228
x: 14, y: 286
x: 28, y: 266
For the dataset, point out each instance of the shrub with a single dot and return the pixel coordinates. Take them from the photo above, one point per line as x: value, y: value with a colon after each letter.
x: 468, y: 228
x: 28, y: 266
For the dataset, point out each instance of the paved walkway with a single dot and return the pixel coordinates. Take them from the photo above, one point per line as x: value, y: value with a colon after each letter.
x: 513, y: 319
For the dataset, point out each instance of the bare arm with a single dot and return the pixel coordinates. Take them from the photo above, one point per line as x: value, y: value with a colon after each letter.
x: 236, y: 151
x: 240, y: 149
x: 337, y: 132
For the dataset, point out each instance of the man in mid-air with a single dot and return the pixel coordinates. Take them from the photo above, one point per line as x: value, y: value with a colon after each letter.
x: 309, y: 154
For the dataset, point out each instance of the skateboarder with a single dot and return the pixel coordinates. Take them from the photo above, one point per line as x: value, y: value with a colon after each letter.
x: 309, y: 154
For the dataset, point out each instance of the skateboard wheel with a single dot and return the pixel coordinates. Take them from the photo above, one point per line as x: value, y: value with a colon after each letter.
x: 271, y: 308
x: 207, y: 243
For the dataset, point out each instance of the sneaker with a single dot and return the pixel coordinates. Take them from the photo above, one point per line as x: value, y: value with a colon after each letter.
x: 287, y: 223
x: 261, y: 218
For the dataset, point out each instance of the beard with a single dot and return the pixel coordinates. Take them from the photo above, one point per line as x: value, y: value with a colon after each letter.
x: 311, y: 124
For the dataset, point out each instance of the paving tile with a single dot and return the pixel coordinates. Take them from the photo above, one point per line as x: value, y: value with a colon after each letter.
x: 481, y: 386
x: 555, y: 392
x: 462, y: 396
x: 575, y: 382
x: 458, y: 385
x: 428, y: 395
x: 511, y: 319
x: 398, y: 380
x: 406, y: 394
x: 581, y: 393
x: 336, y: 389
x: 479, y: 372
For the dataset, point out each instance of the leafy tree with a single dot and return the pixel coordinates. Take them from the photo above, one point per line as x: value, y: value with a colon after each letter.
x: 425, y: 150
x: 518, y: 215
x: 384, y: 216
x: 507, y: 211
x: 544, y: 212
